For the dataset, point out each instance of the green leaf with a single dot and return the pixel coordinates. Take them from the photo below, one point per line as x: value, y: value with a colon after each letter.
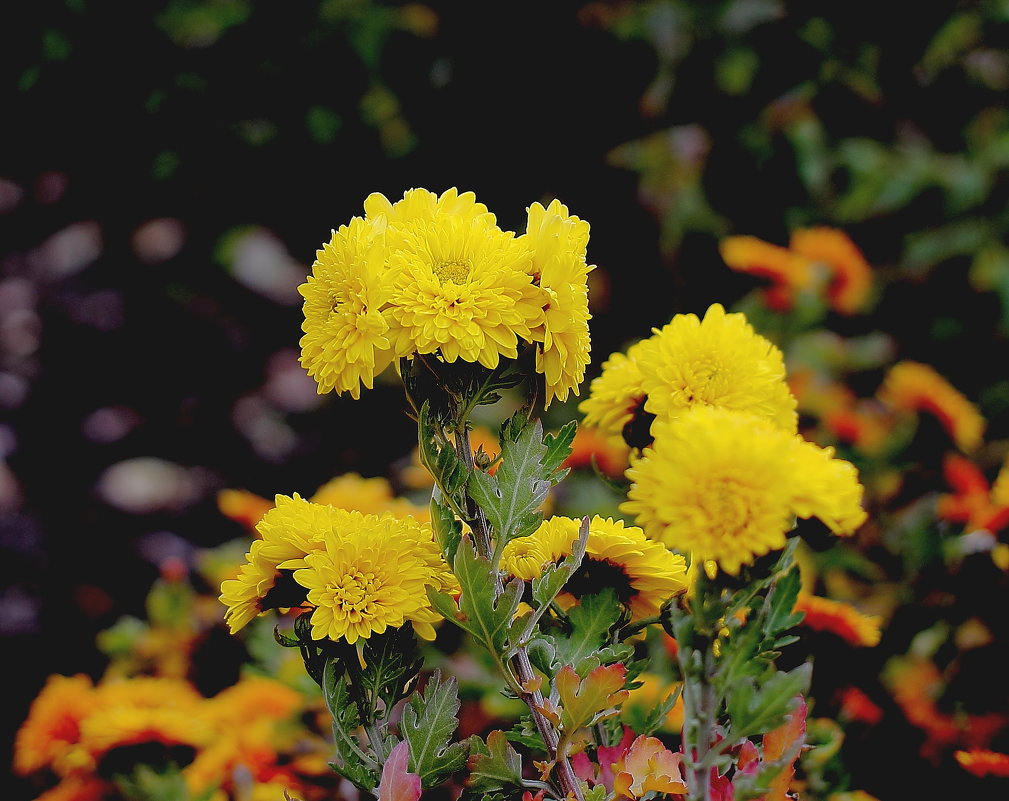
x: 479, y: 612
x: 591, y: 622
x: 446, y: 526
x: 525, y: 733
x: 354, y: 763
x: 781, y: 604
x: 558, y: 450
x: 391, y: 666
x: 757, y: 706
x: 438, y: 455
x: 429, y: 721
x: 510, y: 498
x: 656, y: 716
x: 587, y: 701
x: 494, y: 765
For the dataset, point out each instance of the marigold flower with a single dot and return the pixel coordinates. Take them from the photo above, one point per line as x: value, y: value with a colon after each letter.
x: 837, y: 617
x: 912, y: 387
x: 53, y: 725
x: 851, y: 275
x: 787, y: 271
x: 142, y: 710
x: 857, y: 706
x: 643, y: 573
x: 371, y: 574
x: 725, y: 485
x: 719, y: 361
x: 78, y: 788
x: 982, y: 763
x: 558, y: 242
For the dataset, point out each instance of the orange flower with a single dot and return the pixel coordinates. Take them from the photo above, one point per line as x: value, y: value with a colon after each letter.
x: 648, y: 767
x: 788, y: 272
x: 53, y: 726
x: 915, y: 387
x: 844, y: 620
x: 77, y: 788
x: 915, y: 683
x: 851, y: 276
x: 972, y: 502
x: 243, y: 506
x: 611, y: 456
x: 984, y: 763
x: 857, y: 706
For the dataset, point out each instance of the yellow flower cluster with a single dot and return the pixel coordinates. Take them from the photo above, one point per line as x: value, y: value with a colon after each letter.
x: 644, y: 573
x: 363, y: 573
x: 719, y: 361
x: 435, y: 274
x: 73, y: 727
x: 725, y: 486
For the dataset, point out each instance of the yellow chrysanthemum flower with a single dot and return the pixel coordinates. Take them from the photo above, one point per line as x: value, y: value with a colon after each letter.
x: 719, y: 361
x: 617, y: 395
x: 913, y: 387
x: 293, y: 528
x: 725, y: 486
x: 346, y: 340
x: 643, y: 572
x: 460, y: 285
x: 558, y: 242
x: 371, y: 574
x: 53, y: 724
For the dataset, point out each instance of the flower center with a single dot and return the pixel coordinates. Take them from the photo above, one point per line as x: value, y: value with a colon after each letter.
x: 452, y: 271
x: 355, y: 592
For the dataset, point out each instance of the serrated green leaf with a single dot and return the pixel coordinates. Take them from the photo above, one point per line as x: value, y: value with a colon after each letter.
x: 525, y: 733
x: 391, y: 666
x: 757, y: 706
x: 591, y: 622
x: 429, y: 720
x: 493, y: 765
x: 657, y: 716
x: 479, y: 612
x: 558, y: 449
x: 781, y: 603
x: 446, y: 527
x: 355, y: 764
x: 510, y: 498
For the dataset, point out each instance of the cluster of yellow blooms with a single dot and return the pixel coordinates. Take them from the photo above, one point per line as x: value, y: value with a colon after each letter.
x: 724, y: 472
x: 74, y: 727
x: 361, y: 573
x: 435, y: 274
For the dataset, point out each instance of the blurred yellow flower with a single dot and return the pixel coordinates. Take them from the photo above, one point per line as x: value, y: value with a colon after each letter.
x: 52, y: 727
x: 725, y: 485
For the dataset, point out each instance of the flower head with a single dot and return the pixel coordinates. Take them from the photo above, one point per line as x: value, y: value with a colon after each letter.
x: 842, y: 619
x: 54, y: 722
x: 719, y: 361
x: 346, y: 340
x: 725, y: 486
x: 643, y: 573
x: 557, y: 241
x: 787, y: 272
x: 912, y: 387
x: 984, y: 763
x: 850, y: 274
x: 370, y: 574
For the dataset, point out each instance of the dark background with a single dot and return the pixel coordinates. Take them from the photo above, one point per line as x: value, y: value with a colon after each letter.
x: 211, y: 117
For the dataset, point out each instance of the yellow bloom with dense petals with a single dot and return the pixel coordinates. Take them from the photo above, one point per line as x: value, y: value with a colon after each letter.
x: 558, y: 243
x: 616, y: 396
x: 52, y: 727
x: 289, y: 531
x: 144, y: 709
x: 912, y: 387
x: 346, y: 341
x: 719, y: 361
x: 643, y: 572
x: 725, y: 486
x: 370, y: 575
